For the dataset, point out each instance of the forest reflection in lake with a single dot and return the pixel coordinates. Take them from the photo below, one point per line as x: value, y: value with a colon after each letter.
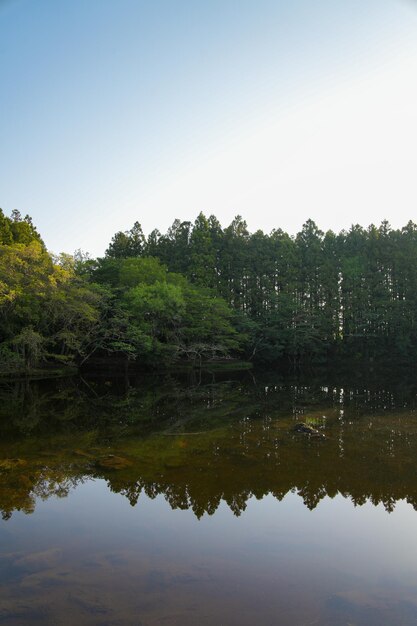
x: 185, y: 500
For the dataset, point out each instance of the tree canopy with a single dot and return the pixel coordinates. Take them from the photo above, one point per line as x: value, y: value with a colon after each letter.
x: 203, y: 291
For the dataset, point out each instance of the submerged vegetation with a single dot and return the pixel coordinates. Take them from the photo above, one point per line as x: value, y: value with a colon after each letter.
x: 203, y: 292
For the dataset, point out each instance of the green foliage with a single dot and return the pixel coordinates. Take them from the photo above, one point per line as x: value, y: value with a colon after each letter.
x: 155, y: 311
x: 27, y: 276
x: 6, y: 236
x: 182, y: 321
x: 127, y: 244
x: 10, y: 360
x: 70, y: 308
x: 29, y: 346
x: 308, y: 297
x: 202, y: 291
x: 207, y: 327
x: 146, y: 270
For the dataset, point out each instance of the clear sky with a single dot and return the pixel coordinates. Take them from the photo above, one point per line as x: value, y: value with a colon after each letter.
x: 113, y: 111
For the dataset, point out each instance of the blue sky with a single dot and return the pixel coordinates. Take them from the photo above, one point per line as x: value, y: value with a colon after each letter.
x: 116, y: 111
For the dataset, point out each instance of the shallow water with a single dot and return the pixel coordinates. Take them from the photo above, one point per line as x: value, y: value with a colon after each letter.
x: 165, y: 500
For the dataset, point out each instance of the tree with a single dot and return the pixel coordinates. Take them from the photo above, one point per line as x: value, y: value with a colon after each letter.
x: 127, y: 244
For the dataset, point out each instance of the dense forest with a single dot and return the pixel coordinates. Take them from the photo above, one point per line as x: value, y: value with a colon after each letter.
x: 202, y: 291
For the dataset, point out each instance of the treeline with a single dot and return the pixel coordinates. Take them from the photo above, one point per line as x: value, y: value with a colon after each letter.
x: 202, y: 291
x: 68, y: 309
x: 306, y: 297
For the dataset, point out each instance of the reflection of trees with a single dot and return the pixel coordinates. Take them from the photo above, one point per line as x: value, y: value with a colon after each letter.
x: 245, y: 448
x: 20, y: 493
x: 322, y: 474
x: 56, y: 483
x: 253, y: 459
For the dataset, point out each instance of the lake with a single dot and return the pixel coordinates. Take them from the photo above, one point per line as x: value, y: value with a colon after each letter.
x: 190, y: 499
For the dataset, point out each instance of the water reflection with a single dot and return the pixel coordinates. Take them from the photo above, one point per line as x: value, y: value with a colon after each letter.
x: 202, y: 442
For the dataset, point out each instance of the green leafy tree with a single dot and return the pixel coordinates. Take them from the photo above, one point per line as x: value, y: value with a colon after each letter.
x: 127, y: 244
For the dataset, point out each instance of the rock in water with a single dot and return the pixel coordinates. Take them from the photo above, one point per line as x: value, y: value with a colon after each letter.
x: 113, y: 462
x: 11, y: 464
x: 305, y: 429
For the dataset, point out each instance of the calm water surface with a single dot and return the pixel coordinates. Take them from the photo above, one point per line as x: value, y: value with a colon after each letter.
x: 191, y: 500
